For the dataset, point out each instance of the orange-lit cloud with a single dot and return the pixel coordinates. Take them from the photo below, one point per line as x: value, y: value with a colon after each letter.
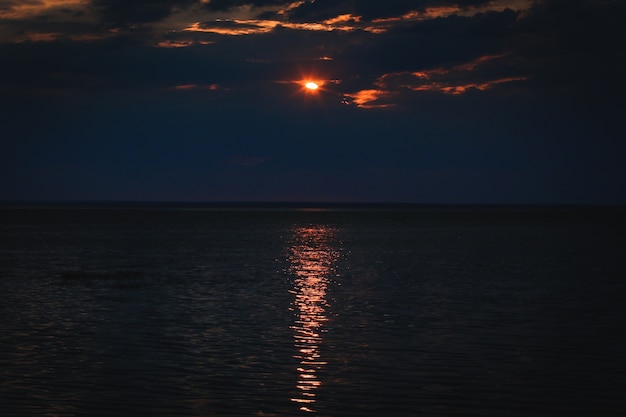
x: 457, y: 89
x: 259, y: 26
x: 342, y: 19
x: 454, y: 80
x: 31, y: 36
x: 233, y: 27
x: 235, y: 24
x: 429, y: 13
x: 482, y: 60
x: 187, y: 87
x: 369, y: 99
x: 383, y: 24
x: 174, y: 44
x: 180, y: 43
x: 39, y: 37
x: 50, y: 20
x: 289, y: 7
x: 242, y: 20
x: 324, y: 26
x: 27, y: 9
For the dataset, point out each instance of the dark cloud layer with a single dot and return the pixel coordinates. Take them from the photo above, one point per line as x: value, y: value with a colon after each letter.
x: 325, y: 9
x: 121, y: 12
x: 371, y: 9
x: 231, y: 4
x: 575, y: 46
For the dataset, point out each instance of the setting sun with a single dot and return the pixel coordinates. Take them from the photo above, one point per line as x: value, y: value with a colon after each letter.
x: 311, y: 85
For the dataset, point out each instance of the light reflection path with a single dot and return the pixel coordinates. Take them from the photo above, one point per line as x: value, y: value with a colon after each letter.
x: 312, y: 262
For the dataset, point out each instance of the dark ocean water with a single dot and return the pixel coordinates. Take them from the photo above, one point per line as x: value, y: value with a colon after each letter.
x: 177, y: 311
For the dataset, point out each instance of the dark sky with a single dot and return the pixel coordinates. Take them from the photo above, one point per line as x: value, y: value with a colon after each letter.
x: 424, y: 101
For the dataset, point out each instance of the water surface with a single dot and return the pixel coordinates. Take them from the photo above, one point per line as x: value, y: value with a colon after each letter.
x: 214, y: 312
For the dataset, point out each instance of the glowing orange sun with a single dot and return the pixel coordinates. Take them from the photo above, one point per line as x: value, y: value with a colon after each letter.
x: 310, y: 85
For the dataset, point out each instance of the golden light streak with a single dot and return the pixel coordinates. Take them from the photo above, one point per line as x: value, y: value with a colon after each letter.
x: 312, y: 262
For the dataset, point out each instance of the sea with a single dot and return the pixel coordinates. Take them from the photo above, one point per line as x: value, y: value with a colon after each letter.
x: 312, y: 310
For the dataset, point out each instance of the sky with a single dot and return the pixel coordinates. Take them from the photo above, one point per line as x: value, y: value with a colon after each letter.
x: 418, y: 101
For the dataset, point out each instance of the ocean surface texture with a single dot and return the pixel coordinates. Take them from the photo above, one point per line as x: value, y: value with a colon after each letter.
x: 200, y: 311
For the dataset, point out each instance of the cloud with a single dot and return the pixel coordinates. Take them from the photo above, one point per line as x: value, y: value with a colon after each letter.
x: 365, y: 61
x: 381, y: 53
x: 191, y: 87
x: 370, y: 99
x: 33, y: 14
x: 125, y: 13
x: 234, y: 27
x: 371, y: 10
x: 559, y: 48
x: 222, y: 5
x: 481, y: 74
x: 426, y: 45
x: 17, y: 9
x: 43, y: 20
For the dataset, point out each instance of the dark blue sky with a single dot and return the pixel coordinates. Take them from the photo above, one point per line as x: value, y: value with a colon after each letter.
x: 420, y: 101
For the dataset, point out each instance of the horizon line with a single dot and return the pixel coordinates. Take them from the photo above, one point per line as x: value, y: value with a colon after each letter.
x: 292, y: 204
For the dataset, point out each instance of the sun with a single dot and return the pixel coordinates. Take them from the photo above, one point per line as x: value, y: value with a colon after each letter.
x: 311, y: 85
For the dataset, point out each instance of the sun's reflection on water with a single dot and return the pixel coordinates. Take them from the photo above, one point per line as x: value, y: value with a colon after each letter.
x: 312, y: 262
